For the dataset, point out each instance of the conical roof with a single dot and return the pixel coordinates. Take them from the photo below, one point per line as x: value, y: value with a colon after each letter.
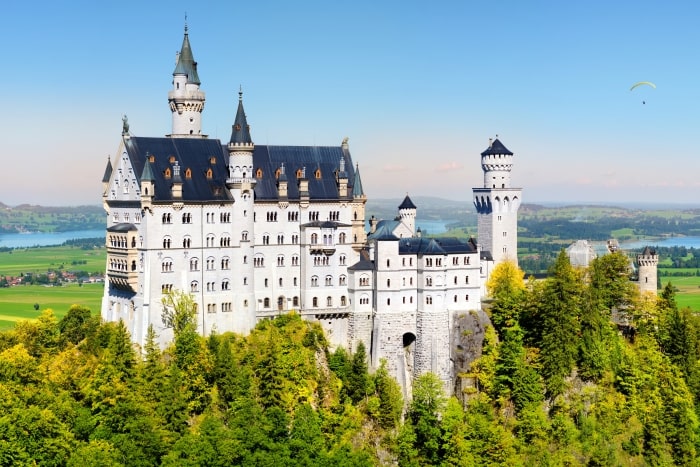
x: 496, y: 148
x: 108, y: 171
x: 185, y: 62
x: 357, y: 190
x: 147, y: 174
x: 240, y: 131
x: 407, y: 204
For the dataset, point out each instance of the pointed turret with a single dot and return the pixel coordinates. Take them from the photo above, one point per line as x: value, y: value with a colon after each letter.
x: 357, y: 191
x: 108, y: 171
x: 359, y: 236
x: 240, y: 131
x: 186, y: 100
x: 147, y: 184
x: 407, y: 214
x: 240, y: 150
x: 106, y: 178
x: 185, y: 62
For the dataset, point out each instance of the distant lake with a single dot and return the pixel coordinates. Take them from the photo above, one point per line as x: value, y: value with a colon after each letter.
x: 25, y: 240
x: 432, y: 227
x: 688, y: 242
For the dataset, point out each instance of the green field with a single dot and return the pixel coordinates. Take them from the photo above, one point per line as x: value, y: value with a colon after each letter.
x: 39, y: 260
x: 17, y: 303
x: 688, y: 291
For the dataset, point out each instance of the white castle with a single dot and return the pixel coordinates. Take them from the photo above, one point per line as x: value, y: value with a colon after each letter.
x: 255, y: 231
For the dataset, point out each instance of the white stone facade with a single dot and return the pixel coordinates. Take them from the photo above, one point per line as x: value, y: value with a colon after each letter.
x: 245, y: 232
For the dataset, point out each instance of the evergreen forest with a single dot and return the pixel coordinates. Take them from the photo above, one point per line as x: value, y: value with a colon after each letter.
x: 575, y: 369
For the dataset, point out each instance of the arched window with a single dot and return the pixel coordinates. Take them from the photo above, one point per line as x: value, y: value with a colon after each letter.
x: 314, y: 302
x: 258, y: 173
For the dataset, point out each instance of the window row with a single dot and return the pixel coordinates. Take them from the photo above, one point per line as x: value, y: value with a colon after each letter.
x: 121, y: 265
x: 342, y: 280
x: 116, y: 217
x: 120, y: 241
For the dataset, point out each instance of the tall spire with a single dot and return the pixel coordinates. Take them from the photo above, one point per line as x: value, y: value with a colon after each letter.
x: 186, y: 99
x: 240, y: 131
x: 185, y: 61
x: 357, y: 190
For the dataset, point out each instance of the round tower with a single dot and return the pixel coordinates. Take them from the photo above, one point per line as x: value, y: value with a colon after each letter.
x: 241, y: 183
x: 647, y: 262
x: 407, y: 214
x: 185, y: 99
x: 497, y: 204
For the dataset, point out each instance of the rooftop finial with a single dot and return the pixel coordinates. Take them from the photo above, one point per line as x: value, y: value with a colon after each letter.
x: 125, y: 125
x: 240, y: 92
x: 185, y: 22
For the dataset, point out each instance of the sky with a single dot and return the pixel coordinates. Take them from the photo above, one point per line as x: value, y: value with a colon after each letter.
x: 417, y: 87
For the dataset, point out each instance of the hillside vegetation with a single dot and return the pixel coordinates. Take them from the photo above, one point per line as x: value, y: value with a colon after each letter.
x: 31, y: 218
x: 557, y: 383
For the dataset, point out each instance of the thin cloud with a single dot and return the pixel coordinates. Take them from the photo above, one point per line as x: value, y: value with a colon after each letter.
x: 449, y: 166
x: 395, y: 168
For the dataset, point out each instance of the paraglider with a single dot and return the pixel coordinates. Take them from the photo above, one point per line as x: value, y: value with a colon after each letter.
x: 640, y: 83
x: 643, y: 83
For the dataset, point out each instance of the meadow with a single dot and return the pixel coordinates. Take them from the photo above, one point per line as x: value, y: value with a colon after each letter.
x: 17, y: 303
x: 38, y: 260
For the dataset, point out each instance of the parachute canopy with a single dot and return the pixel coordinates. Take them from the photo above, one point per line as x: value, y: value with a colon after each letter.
x: 643, y: 83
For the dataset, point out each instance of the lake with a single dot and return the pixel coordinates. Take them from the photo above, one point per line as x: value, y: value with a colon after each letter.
x: 25, y: 240
x: 688, y: 242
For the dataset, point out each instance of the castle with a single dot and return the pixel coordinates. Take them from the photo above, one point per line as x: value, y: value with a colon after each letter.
x: 254, y: 231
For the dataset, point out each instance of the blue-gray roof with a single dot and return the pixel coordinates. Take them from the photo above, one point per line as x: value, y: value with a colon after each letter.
x: 200, y: 155
x: 435, y: 246
x: 364, y: 264
x: 122, y: 227
x: 240, y: 131
x: 323, y: 161
x: 108, y: 171
x: 384, y: 231
x: 185, y: 62
x: 496, y: 148
x: 407, y: 204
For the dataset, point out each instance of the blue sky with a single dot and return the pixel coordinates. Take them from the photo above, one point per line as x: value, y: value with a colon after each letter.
x: 418, y: 88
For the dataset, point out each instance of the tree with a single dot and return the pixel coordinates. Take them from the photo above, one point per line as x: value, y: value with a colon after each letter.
x: 358, y: 378
x: 77, y: 324
x: 559, y: 313
x: 505, y: 279
x: 424, y: 417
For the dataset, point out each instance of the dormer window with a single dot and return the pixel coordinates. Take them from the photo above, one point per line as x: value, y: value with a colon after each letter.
x: 172, y: 159
x: 151, y: 158
x: 167, y: 174
x: 188, y: 173
x: 210, y: 174
x: 300, y: 173
x: 277, y: 174
x: 238, y: 127
x: 258, y: 173
x: 317, y: 174
x: 212, y: 160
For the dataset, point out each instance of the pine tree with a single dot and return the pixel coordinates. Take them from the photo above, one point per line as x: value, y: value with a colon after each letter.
x: 559, y: 313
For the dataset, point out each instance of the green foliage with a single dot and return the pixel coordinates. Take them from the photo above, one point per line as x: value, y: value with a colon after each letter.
x: 559, y: 320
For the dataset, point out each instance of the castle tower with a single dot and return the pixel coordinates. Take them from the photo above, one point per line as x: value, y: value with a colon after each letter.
x: 359, y: 199
x: 186, y: 100
x: 241, y: 183
x: 497, y: 204
x: 407, y: 214
x: 647, y: 262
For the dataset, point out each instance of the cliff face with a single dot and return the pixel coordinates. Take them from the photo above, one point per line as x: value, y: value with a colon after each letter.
x: 467, y: 339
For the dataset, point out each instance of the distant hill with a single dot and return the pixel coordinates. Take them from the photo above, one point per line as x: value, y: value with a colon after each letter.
x: 34, y: 218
